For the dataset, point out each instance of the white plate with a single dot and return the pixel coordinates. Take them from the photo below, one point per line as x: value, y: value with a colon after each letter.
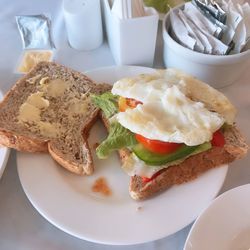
x: 225, y: 224
x: 4, y: 152
x: 66, y: 200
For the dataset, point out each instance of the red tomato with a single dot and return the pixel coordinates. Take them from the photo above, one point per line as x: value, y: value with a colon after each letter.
x: 146, y: 179
x: 156, y: 146
x: 125, y: 103
x: 218, y: 139
x: 132, y: 103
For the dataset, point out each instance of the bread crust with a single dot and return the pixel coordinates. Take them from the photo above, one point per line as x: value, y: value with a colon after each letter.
x: 22, y: 143
x: 71, y: 166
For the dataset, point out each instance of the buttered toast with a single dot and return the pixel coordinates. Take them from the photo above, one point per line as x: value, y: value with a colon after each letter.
x: 50, y: 110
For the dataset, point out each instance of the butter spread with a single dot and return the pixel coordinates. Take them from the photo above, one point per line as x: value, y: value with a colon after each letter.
x: 79, y: 106
x: 29, y: 113
x: 37, y: 100
x: 31, y: 58
x: 39, y: 111
x: 56, y: 87
x: 49, y: 129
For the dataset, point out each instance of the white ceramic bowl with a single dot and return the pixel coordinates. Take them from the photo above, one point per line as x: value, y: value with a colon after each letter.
x: 225, y: 224
x: 218, y: 71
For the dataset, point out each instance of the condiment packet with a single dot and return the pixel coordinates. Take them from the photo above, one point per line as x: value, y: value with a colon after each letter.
x: 186, y: 29
x: 192, y: 31
x: 211, y: 9
x: 201, y: 32
x: 213, y: 27
x: 180, y: 32
x: 194, y: 14
x: 233, y: 20
x: 246, y: 13
x: 222, y: 28
x: 35, y: 31
x: 240, y: 33
x: 238, y: 20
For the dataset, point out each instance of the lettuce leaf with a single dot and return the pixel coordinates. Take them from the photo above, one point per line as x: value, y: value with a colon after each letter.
x: 163, y: 5
x: 107, y: 102
x: 119, y: 137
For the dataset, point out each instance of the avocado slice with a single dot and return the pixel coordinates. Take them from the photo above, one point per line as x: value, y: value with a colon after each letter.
x: 154, y: 159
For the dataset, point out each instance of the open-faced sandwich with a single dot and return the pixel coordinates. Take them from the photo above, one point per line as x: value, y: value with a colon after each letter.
x: 168, y: 128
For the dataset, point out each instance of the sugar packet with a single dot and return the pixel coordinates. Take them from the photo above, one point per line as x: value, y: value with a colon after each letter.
x: 35, y: 31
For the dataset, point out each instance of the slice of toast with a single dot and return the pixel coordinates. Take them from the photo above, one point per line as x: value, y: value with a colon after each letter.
x: 50, y: 110
x: 191, y: 168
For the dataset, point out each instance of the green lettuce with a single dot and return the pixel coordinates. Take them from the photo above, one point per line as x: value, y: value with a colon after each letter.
x: 162, y: 5
x: 119, y: 137
x: 107, y: 102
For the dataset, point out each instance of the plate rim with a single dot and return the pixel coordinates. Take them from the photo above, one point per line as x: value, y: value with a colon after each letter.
x: 6, y: 151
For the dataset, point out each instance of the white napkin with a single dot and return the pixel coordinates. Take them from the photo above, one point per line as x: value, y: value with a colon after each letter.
x: 126, y: 9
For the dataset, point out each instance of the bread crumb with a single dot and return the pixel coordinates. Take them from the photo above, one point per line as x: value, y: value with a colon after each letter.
x: 101, y: 186
x: 138, y: 208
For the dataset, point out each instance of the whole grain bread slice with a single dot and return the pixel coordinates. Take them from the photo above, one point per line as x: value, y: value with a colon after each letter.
x: 234, y: 148
x: 50, y: 110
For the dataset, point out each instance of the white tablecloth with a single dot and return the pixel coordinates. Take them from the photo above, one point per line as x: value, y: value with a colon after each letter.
x: 21, y: 226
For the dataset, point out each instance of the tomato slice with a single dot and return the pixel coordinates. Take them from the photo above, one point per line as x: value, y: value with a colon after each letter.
x: 156, y: 146
x: 147, y: 179
x: 125, y: 103
x: 218, y: 139
x: 132, y: 103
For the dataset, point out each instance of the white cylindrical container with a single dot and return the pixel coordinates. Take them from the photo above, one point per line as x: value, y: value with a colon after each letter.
x: 83, y: 23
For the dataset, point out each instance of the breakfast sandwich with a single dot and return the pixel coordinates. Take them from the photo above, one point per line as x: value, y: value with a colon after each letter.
x: 168, y: 128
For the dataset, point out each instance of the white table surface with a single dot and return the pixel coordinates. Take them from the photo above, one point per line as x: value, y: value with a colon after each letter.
x: 21, y: 226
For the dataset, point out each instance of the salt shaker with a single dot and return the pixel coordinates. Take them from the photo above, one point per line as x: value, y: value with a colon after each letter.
x: 83, y: 23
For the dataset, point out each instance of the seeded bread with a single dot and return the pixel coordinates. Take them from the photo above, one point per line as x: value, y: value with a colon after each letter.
x: 235, y: 148
x: 50, y: 110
